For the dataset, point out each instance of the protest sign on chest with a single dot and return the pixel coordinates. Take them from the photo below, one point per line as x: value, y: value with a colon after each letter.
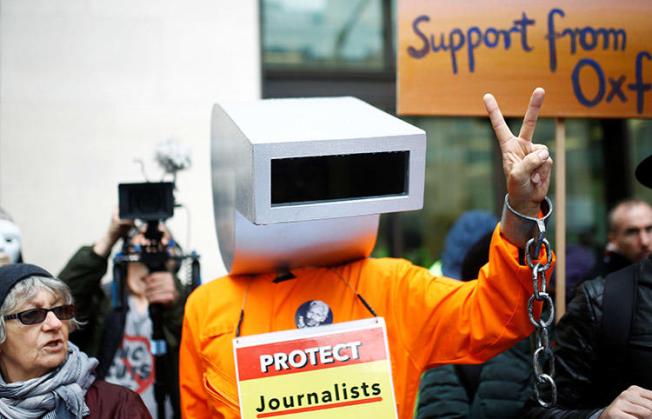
x: 338, y: 370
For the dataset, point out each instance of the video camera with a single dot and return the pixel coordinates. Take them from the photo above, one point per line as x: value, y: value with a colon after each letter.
x: 151, y: 202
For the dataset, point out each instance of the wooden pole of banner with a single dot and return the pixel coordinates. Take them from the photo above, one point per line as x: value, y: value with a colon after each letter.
x: 560, y: 217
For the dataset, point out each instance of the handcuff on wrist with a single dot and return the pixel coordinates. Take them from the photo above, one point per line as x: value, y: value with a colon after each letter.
x: 519, y: 228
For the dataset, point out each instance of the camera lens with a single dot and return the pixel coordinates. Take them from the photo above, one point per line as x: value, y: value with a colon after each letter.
x: 148, y: 202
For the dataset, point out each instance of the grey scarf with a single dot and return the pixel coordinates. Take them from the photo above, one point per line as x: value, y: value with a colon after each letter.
x: 57, y: 394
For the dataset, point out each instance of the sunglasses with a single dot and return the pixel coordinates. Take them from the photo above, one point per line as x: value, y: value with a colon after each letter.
x: 37, y: 315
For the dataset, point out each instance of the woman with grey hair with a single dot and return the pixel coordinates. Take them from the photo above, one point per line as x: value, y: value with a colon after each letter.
x: 42, y: 374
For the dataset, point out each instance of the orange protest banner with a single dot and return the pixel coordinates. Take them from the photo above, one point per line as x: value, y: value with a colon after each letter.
x: 594, y: 59
x: 341, y: 370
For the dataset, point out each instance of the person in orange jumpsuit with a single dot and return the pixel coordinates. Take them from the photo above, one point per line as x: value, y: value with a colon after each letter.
x: 430, y: 320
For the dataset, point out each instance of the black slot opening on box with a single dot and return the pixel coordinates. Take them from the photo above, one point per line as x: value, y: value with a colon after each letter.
x: 339, y: 177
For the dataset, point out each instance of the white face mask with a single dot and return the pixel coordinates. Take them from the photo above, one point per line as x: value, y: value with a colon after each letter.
x: 10, y: 242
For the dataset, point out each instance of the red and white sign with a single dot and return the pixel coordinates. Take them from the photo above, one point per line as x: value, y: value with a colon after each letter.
x: 341, y: 369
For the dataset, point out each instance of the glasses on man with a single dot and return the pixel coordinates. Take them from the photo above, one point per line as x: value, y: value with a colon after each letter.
x: 37, y: 315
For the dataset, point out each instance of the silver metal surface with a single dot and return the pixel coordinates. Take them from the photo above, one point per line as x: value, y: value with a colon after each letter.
x: 282, y: 246
x: 256, y: 236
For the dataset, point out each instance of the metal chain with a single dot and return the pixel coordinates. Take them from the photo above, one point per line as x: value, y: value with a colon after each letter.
x: 543, y: 359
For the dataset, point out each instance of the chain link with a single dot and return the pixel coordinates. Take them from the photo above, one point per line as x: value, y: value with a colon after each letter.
x: 543, y: 359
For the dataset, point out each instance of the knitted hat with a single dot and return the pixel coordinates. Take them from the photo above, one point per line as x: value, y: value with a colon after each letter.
x: 12, y: 274
x: 644, y: 171
x: 464, y: 233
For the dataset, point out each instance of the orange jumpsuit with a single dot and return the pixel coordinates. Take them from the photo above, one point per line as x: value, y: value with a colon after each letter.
x: 430, y: 320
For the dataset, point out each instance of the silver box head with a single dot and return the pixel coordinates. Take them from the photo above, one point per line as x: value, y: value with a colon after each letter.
x: 299, y: 161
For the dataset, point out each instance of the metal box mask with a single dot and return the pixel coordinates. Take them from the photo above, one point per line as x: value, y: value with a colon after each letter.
x: 302, y: 182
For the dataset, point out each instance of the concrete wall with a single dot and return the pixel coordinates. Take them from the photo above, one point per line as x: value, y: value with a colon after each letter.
x: 88, y: 86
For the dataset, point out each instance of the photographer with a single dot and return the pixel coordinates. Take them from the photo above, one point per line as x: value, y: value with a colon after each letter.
x: 118, y: 324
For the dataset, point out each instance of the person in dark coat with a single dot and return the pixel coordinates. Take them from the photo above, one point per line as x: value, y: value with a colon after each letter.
x: 42, y: 374
x: 603, y: 355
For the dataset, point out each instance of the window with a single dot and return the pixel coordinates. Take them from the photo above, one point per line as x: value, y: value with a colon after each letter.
x: 323, y: 35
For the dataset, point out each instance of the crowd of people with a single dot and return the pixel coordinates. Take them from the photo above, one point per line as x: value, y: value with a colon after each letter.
x: 460, y: 345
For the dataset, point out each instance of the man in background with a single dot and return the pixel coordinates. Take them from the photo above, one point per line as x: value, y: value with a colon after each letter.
x: 629, y: 237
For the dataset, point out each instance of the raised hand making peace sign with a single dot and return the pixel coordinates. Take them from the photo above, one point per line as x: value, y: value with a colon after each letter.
x: 527, y: 166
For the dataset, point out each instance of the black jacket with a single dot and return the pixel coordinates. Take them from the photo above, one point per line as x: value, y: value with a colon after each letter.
x: 608, y: 263
x: 585, y: 375
x: 496, y: 389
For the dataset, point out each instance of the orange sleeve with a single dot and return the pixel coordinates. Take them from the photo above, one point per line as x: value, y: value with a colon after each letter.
x: 465, y: 322
x: 191, y: 378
